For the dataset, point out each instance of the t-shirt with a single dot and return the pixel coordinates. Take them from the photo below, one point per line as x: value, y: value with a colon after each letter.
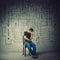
x: 27, y: 34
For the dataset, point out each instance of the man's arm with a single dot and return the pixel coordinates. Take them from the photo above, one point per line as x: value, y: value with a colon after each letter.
x: 31, y: 37
x: 25, y: 38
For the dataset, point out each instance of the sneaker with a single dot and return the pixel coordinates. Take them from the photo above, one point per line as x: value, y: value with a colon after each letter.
x: 34, y: 56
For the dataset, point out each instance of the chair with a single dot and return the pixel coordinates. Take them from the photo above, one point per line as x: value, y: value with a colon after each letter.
x: 24, y: 48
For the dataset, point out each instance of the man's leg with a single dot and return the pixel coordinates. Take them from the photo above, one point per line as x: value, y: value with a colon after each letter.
x: 34, y: 48
x: 27, y: 44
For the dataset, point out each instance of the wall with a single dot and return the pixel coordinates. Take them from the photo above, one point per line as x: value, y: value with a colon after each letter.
x: 18, y: 18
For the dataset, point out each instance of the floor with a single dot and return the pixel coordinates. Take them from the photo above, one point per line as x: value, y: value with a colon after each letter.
x: 20, y: 56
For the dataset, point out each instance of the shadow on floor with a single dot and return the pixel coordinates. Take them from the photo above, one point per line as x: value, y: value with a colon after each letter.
x: 45, y: 52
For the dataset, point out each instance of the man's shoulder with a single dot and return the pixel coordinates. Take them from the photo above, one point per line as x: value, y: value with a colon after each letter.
x: 25, y: 31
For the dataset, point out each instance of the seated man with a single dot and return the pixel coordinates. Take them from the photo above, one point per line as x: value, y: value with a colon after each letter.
x: 28, y: 42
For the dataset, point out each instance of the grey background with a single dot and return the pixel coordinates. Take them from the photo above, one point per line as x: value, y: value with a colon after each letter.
x: 18, y: 16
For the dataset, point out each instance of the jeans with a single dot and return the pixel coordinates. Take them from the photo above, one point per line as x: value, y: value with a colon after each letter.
x: 30, y: 44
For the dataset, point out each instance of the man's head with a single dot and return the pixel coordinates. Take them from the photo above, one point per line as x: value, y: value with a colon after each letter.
x: 31, y: 30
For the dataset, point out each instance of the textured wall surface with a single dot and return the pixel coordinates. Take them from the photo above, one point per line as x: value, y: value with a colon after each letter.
x: 17, y: 18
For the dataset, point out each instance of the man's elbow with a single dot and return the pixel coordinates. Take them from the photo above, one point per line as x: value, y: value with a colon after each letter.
x: 24, y: 37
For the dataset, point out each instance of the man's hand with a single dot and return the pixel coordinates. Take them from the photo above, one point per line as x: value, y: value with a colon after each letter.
x: 31, y: 38
x: 25, y: 38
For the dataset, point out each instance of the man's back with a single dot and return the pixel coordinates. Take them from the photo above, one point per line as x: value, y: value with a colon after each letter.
x: 27, y: 34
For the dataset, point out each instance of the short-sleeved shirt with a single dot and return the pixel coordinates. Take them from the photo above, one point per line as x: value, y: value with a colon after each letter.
x: 27, y: 34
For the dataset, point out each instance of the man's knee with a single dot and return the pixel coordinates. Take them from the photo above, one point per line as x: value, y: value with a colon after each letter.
x: 27, y: 44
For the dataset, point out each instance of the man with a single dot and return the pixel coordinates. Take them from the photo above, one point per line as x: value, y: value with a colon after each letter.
x: 28, y: 42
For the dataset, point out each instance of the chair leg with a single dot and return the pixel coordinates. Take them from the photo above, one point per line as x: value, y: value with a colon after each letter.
x: 29, y: 53
x: 25, y: 51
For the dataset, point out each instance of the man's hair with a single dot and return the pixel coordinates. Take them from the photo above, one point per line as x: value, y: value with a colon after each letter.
x: 31, y: 29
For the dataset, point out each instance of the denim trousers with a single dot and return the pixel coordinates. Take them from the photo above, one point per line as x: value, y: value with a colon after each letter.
x: 31, y: 47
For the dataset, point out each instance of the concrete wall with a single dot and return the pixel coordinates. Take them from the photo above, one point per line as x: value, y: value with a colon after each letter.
x: 17, y: 18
